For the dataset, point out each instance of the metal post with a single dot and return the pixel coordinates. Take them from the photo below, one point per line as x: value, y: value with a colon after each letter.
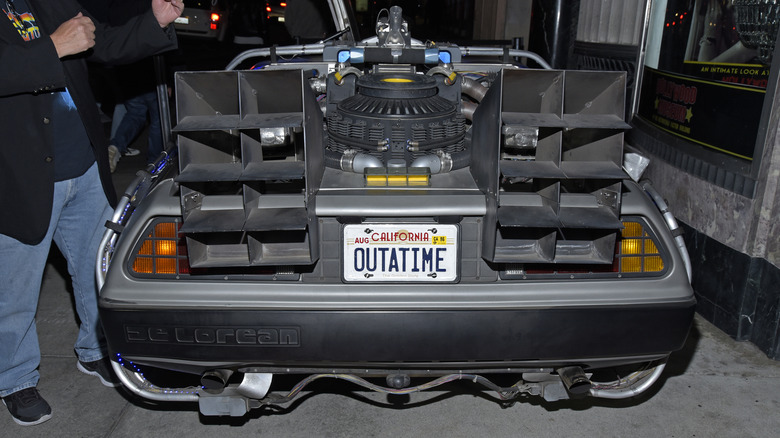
x: 162, y: 101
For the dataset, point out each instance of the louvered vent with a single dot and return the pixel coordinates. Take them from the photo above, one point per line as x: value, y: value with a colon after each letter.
x: 246, y: 178
x: 611, y: 21
x: 559, y: 140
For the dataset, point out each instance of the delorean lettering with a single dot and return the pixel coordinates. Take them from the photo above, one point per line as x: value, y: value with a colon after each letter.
x: 264, y: 336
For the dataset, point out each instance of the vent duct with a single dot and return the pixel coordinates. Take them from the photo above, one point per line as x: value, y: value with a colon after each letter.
x: 556, y: 192
x: 246, y: 178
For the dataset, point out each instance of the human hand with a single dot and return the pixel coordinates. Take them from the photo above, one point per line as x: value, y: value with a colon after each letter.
x: 165, y: 11
x: 74, y: 36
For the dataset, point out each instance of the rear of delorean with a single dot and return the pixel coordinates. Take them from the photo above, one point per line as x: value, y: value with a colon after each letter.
x: 392, y: 211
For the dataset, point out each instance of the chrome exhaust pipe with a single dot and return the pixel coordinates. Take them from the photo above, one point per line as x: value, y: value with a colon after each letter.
x: 575, y: 381
x: 629, y: 387
x: 214, y: 381
x: 135, y: 382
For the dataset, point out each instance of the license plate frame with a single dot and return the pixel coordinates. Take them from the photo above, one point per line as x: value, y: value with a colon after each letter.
x: 400, y: 253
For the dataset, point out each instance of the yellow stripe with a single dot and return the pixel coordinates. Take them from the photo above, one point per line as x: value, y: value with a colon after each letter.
x: 723, y: 63
x: 717, y: 84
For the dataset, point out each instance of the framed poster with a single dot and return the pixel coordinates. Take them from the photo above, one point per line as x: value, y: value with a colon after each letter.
x: 707, y: 71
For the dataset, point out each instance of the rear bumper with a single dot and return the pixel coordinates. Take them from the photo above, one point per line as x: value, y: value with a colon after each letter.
x: 195, y: 324
x: 196, y: 340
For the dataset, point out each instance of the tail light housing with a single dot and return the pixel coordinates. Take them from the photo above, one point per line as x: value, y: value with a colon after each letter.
x: 162, y: 251
x: 637, y: 253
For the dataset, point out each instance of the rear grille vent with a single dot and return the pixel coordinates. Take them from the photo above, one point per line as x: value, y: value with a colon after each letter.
x: 560, y: 144
x: 246, y: 178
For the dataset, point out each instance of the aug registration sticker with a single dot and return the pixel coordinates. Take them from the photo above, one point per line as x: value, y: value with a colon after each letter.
x: 400, y: 252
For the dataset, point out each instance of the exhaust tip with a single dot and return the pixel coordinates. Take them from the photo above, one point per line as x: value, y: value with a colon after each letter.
x: 575, y: 381
x: 214, y: 381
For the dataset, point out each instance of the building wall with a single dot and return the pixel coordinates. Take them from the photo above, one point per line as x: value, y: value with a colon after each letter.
x: 502, y: 20
x: 716, y: 212
x: 518, y: 21
x: 489, y: 17
x: 765, y: 230
x: 733, y: 239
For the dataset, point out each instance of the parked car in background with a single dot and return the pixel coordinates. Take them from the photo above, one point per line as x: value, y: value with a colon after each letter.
x: 203, y: 18
x: 275, y: 10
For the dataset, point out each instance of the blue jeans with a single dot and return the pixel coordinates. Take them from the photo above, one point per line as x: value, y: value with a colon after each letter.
x: 134, y: 120
x: 78, y: 213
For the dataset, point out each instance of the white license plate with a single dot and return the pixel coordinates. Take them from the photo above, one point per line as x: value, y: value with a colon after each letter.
x: 400, y: 252
x: 182, y: 20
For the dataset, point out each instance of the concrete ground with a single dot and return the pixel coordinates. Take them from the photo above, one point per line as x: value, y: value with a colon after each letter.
x: 714, y: 387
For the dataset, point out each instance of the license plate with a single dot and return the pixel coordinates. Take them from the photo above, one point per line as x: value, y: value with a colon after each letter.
x: 182, y: 20
x: 400, y: 252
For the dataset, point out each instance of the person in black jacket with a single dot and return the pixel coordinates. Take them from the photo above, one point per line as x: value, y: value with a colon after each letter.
x: 55, y: 183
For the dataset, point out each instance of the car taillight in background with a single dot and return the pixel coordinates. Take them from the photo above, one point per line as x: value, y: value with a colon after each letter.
x: 214, y: 20
x: 275, y: 10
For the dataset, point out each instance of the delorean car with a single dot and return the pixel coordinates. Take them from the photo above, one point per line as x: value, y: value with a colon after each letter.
x: 397, y: 214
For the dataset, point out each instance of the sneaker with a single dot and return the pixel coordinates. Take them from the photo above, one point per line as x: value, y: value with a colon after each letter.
x: 113, y: 157
x: 131, y: 152
x: 27, y: 407
x: 100, y: 368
